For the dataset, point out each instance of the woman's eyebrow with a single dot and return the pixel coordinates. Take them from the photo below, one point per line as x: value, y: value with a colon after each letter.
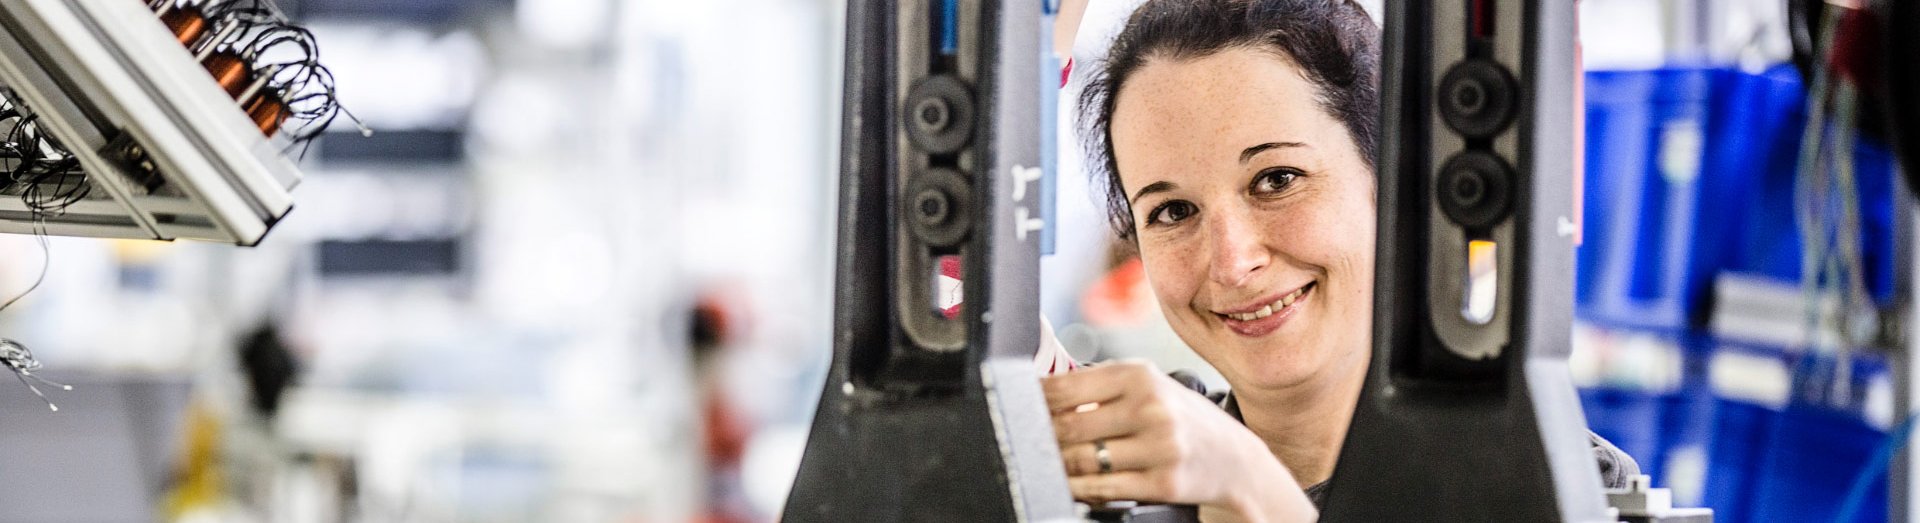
x: 1247, y: 155
x: 1159, y: 186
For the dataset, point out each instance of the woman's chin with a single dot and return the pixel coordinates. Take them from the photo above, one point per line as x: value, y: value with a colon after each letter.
x: 1273, y: 369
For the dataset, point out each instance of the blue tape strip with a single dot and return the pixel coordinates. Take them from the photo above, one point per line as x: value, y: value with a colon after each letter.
x: 1049, y: 122
x: 949, y: 26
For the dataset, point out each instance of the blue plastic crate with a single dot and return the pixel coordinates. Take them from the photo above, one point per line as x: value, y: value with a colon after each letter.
x: 1759, y: 122
x: 1645, y: 204
x: 1809, y: 464
x: 1689, y: 173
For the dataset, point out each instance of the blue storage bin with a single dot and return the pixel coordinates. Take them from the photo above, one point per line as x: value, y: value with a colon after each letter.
x: 1758, y: 121
x: 1686, y: 421
x: 1689, y: 172
x: 1741, y: 434
x: 1644, y: 202
x: 1686, y: 414
x: 1800, y: 463
x: 1814, y: 456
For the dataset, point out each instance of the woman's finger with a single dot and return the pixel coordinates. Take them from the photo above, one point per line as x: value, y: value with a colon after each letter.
x: 1124, y: 454
x: 1100, y: 384
x: 1112, y: 419
x: 1132, y: 485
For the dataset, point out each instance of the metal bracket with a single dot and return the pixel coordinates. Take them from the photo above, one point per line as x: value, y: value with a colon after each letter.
x: 107, y: 78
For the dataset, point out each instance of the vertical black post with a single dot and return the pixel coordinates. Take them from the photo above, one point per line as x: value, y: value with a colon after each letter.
x: 928, y: 416
x: 1468, y: 413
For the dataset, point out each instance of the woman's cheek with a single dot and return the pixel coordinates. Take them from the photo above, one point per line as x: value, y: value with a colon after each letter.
x: 1171, y: 277
x: 1162, y: 276
x: 1168, y: 258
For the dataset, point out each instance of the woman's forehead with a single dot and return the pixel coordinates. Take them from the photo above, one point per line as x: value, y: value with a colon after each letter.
x: 1212, y: 108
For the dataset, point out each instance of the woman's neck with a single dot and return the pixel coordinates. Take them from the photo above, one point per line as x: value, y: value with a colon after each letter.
x: 1304, y: 424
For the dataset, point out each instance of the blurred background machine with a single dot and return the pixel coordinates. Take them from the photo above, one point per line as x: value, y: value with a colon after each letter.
x: 485, y: 305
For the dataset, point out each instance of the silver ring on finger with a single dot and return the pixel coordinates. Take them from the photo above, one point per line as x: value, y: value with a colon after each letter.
x: 1100, y: 454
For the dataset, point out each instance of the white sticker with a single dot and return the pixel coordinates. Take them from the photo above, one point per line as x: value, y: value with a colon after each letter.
x: 1023, y: 224
x: 1680, y: 147
x: 1022, y: 176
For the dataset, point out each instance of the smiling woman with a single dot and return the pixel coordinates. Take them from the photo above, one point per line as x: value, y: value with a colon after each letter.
x: 1237, y: 139
x: 1253, y: 215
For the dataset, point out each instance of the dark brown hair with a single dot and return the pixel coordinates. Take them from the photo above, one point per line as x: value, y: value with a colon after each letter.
x: 1333, y: 42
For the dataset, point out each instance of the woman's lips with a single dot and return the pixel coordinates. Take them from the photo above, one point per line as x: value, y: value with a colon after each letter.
x: 1256, y: 324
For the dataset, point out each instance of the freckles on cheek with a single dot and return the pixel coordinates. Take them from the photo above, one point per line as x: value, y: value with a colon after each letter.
x: 1165, y: 279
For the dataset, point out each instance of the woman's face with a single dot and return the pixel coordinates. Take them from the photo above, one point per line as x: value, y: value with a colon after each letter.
x: 1254, y: 214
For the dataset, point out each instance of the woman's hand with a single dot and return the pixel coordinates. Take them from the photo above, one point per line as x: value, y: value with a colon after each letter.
x: 1164, y: 443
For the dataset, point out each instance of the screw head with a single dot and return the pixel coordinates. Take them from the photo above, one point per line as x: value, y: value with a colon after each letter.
x: 1468, y: 188
x: 1470, y: 97
x: 932, y: 114
x: 934, y: 206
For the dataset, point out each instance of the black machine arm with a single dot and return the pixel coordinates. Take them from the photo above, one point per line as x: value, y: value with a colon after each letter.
x: 925, y: 416
x: 1469, y: 413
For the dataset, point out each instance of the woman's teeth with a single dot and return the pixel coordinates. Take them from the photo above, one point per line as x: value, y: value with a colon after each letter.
x: 1269, y: 309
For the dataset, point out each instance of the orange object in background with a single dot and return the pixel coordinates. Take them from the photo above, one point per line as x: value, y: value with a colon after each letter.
x: 719, y: 324
x: 1120, y: 298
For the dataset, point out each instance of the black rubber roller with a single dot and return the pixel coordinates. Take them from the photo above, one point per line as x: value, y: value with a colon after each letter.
x: 1475, y: 189
x: 1478, y: 98
x: 937, y: 205
x: 938, y: 114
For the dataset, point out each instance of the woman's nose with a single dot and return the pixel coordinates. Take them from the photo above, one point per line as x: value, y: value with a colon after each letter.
x: 1239, y: 251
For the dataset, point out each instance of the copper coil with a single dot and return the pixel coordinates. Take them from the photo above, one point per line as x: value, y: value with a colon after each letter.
x: 268, y: 112
x: 230, y: 71
x: 187, y: 24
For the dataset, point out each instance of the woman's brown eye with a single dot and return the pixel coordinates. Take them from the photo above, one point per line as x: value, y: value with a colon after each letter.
x: 1170, y: 213
x: 1274, y: 180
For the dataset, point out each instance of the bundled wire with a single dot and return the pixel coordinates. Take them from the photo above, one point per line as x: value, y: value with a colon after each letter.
x: 17, y: 358
x: 13, y: 355
x: 49, y: 177
x: 290, y: 86
x: 51, y: 181
x: 1827, y: 205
